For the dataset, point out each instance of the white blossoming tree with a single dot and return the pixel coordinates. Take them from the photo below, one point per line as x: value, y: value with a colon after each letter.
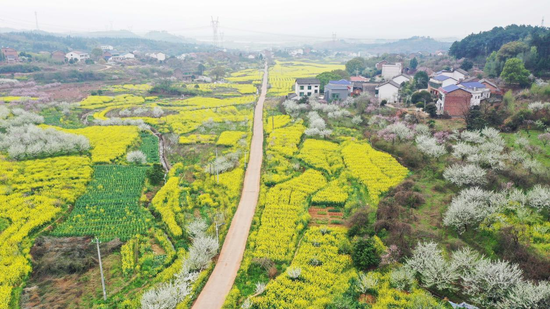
x: 465, y: 175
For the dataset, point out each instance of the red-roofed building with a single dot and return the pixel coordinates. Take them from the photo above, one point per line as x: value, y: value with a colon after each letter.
x: 10, y: 55
x: 358, y: 79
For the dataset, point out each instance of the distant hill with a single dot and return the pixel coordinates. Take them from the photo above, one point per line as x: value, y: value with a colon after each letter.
x: 108, y: 34
x: 410, y: 45
x: 168, y: 37
x: 36, y: 42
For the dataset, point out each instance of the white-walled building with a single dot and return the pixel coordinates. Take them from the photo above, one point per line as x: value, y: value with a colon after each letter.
x: 307, y: 86
x: 388, y: 91
x: 458, y: 74
x: 389, y: 71
x: 129, y: 56
x: 106, y: 47
x: 478, y: 90
x: 158, y: 56
x: 77, y: 55
x: 402, y: 78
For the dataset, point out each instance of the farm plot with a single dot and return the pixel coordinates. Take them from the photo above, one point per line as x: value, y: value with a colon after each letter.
x: 108, y: 142
x: 325, y: 274
x: 110, y: 208
x: 377, y: 170
x: 31, y: 193
x: 150, y: 147
x: 283, y: 74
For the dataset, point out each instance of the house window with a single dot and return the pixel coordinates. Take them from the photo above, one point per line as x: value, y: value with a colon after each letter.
x: 335, y: 96
x: 308, y: 87
x: 301, y: 87
x: 301, y: 94
x: 316, y: 91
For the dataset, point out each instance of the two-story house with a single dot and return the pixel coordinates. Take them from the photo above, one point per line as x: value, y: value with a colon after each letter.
x: 390, y: 71
x: 77, y: 55
x: 307, y: 86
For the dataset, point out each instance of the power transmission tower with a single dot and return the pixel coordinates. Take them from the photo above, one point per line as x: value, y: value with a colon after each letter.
x: 36, y: 19
x: 215, y: 25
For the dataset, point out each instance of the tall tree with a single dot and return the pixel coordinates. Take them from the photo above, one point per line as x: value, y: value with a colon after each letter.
x: 467, y: 65
x: 218, y: 71
x: 421, y: 80
x: 96, y: 53
x: 325, y: 77
x: 515, y: 73
x: 493, y: 67
x: 355, y: 65
x: 413, y: 63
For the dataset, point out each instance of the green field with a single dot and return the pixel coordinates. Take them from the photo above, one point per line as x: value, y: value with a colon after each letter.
x: 110, y: 207
x: 150, y: 147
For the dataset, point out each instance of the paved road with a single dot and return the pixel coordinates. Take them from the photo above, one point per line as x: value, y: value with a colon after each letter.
x: 221, y: 280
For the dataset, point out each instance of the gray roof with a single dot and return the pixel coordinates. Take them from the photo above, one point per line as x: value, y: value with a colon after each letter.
x: 462, y: 71
x: 307, y: 81
x: 391, y: 82
x: 336, y: 87
x: 404, y: 75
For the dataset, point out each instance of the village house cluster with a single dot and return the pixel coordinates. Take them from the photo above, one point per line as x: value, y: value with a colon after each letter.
x: 456, y: 92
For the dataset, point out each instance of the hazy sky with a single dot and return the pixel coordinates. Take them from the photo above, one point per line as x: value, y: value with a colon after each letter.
x: 307, y: 19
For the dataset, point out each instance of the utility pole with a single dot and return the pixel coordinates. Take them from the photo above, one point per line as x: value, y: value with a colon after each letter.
x: 245, y: 163
x: 218, y: 222
x: 36, y: 19
x: 96, y: 241
x: 217, y: 169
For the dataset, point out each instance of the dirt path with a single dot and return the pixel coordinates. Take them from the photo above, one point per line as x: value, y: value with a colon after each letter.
x: 162, y: 153
x: 221, y: 280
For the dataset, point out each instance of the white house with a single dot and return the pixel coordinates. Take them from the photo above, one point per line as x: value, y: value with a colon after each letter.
x: 458, y: 74
x: 389, y: 71
x: 307, y: 86
x: 77, y: 55
x: 158, y: 56
x: 106, y: 47
x: 478, y: 90
x: 401, y: 78
x: 129, y: 56
x: 388, y: 91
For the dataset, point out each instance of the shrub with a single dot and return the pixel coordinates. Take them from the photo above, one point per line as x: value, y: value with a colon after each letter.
x: 155, y: 174
x: 364, y: 254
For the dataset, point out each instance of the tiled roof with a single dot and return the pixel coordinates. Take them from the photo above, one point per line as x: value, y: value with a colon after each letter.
x: 336, y: 87
x: 472, y: 85
x: 391, y: 82
x: 358, y: 79
x: 307, y: 81
x: 441, y: 77
x: 451, y: 88
x: 339, y: 82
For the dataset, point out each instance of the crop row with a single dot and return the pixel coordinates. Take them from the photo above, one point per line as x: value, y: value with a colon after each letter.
x: 323, y: 155
x: 108, y: 142
x: 324, y: 274
x: 285, y: 215
x: 377, y: 170
x: 167, y: 203
x: 110, y: 208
